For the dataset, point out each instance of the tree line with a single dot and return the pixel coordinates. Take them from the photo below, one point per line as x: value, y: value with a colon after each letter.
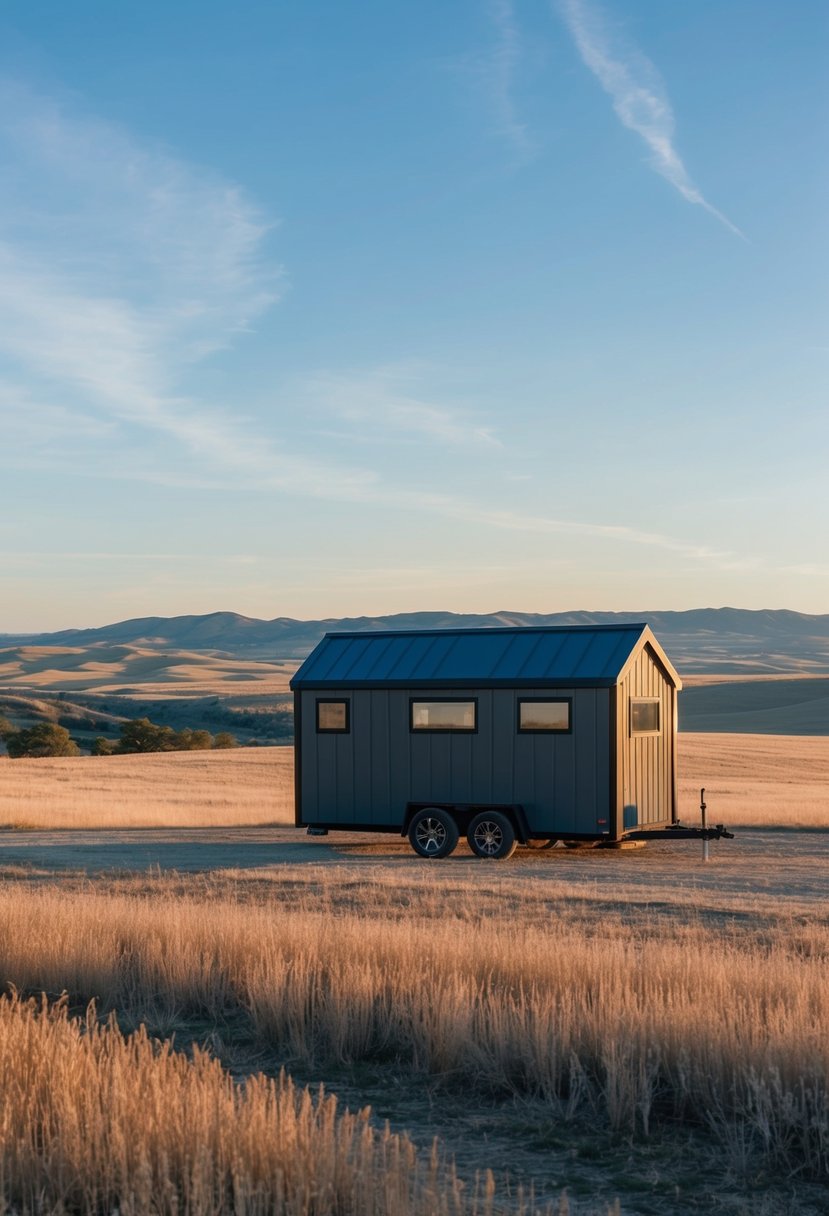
x: 137, y: 735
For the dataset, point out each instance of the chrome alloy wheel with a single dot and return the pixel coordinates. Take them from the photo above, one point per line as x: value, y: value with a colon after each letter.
x: 489, y: 838
x: 430, y: 835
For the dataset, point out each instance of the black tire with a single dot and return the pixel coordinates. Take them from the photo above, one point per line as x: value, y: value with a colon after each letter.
x: 433, y: 833
x: 537, y: 845
x: 491, y: 836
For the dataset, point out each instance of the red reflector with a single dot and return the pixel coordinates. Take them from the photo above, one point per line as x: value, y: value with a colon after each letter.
x: 601, y: 821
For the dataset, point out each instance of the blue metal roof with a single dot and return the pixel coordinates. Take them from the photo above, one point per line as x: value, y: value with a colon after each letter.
x: 555, y: 655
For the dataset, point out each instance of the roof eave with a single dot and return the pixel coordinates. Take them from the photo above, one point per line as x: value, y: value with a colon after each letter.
x: 437, y: 685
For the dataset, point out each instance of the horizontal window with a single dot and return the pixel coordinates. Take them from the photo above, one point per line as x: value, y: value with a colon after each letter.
x: 332, y: 717
x: 644, y: 717
x: 544, y: 715
x: 444, y: 715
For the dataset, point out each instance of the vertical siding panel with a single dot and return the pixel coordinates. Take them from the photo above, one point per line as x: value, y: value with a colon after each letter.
x: 327, y: 779
x: 483, y: 747
x: 602, y: 784
x: 310, y: 762
x: 361, y: 705
x: 648, y: 759
x: 523, y: 769
x: 383, y: 755
x: 563, y: 748
x: 584, y: 758
x: 503, y: 744
x: 344, y: 760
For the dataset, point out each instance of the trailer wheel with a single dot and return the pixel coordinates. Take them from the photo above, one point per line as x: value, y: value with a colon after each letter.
x: 433, y: 833
x: 534, y: 843
x: 491, y: 835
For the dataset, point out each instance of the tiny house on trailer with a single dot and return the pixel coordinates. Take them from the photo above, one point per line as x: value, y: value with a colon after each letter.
x: 530, y: 735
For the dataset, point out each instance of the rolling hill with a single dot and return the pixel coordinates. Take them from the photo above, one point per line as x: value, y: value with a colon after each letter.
x: 748, y: 672
x: 723, y: 640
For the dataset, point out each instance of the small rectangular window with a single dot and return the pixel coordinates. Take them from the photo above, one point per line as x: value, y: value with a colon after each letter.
x: 332, y: 717
x: 444, y: 715
x: 553, y: 715
x: 644, y: 716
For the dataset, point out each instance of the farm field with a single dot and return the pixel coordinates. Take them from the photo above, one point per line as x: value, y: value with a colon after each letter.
x: 772, y: 781
x: 637, y: 1031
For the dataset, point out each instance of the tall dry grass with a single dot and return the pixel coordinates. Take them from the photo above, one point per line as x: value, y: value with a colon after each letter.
x: 245, y: 786
x: 637, y: 1028
x: 92, y: 1121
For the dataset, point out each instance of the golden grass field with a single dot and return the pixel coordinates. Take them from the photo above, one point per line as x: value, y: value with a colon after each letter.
x: 659, y: 1045
x: 164, y: 789
x: 763, y: 780
x: 648, y: 1034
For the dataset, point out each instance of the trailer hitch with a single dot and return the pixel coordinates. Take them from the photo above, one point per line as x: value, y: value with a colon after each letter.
x: 680, y: 831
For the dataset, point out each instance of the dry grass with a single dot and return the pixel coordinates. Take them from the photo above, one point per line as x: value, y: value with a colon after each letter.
x: 758, y: 780
x: 632, y: 1025
x: 187, y: 789
x: 762, y: 780
x: 93, y: 1122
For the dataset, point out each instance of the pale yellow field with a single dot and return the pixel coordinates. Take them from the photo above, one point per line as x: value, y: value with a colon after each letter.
x: 761, y: 780
x: 165, y: 789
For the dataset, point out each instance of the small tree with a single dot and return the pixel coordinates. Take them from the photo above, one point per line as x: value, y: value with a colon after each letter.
x: 102, y: 746
x: 188, y: 740
x: 142, y: 735
x: 42, y: 739
x: 224, y: 739
x: 6, y: 728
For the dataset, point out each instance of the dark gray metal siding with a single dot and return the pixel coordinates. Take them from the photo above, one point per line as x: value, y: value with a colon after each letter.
x: 366, y: 777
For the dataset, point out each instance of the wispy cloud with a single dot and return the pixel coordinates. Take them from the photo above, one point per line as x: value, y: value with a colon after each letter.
x: 499, y: 69
x: 638, y: 94
x: 380, y: 401
x: 494, y: 72
x: 518, y: 521
x: 120, y: 266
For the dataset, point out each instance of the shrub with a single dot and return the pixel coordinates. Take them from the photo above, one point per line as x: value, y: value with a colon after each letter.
x: 42, y: 739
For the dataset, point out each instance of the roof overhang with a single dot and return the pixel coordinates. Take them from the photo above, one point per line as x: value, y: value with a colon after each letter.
x: 647, y: 640
x: 437, y: 685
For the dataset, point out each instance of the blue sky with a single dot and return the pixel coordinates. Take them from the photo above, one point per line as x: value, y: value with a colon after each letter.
x: 322, y: 309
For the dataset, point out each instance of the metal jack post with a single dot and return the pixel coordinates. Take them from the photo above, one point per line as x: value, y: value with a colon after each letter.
x: 702, y: 809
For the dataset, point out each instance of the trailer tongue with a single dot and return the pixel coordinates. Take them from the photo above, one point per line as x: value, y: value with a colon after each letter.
x: 679, y: 831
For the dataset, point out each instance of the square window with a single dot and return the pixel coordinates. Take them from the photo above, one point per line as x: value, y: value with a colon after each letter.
x: 644, y: 717
x: 537, y: 715
x: 444, y: 715
x: 332, y: 717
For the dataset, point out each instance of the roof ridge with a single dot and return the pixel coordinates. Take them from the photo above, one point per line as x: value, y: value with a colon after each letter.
x: 459, y: 629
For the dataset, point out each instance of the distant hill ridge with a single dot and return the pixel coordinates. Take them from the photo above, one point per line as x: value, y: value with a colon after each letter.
x: 737, y: 640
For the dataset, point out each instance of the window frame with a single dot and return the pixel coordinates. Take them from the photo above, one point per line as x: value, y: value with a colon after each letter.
x: 544, y: 730
x: 333, y: 730
x: 443, y: 730
x: 645, y: 734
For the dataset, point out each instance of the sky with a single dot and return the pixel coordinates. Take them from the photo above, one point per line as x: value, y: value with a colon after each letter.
x: 321, y: 309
